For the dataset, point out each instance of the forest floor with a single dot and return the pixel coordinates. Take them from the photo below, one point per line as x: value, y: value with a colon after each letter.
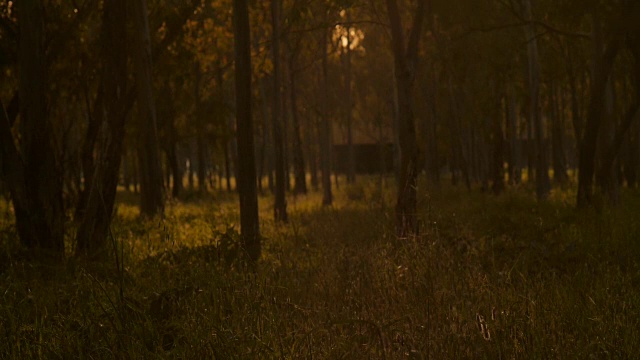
x: 489, y: 277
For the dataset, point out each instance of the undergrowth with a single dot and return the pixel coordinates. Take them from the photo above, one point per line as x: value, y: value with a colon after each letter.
x: 488, y: 278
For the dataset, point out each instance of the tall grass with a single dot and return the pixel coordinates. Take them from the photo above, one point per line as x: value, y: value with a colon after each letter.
x: 488, y: 278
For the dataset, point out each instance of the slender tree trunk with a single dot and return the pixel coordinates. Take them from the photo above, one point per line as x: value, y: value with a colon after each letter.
x: 227, y: 167
x: 576, y: 116
x: 285, y: 113
x: 91, y: 238
x: 431, y: 126
x: 249, y: 220
x: 190, y: 174
x: 557, y: 135
x: 543, y: 184
x: 266, y: 159
x: 632, y: 160
x: 351, y: 159
x: 280, y: 205
x: 326, y: 133
x: 151, y: 197
x: 200, y: 142
x: 404, y: 62
x: 95, y: 118
x: 202, y: 163
x: 498, y: 153
x: 312, y: 135
x: 588, y: 146
x: 512, y: 125
x: 300, y: 186
x: 172, y: 160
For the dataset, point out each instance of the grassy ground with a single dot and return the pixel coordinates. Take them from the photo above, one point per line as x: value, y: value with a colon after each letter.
x: 489, y: 278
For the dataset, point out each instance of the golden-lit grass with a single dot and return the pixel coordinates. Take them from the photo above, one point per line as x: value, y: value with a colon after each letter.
x: 489, y: 277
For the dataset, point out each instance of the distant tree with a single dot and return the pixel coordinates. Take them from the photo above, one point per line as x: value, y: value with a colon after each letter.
x: 249, y: 221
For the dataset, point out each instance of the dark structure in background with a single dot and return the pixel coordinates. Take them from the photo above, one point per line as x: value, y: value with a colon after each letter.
x: 368, y: 158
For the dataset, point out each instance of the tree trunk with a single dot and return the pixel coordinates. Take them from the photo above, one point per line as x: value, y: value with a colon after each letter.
x: 249, y: 220
x: 280, y: 205
x: 557, y: 135
x: 35, y: 180
x: 93, y: 231
x: 351, y: 160
x: 200, y: 143
x: 432, y: 165
x: 227, y: 166
x: 312, y: 135
x: 543, y: 185
x: 404, y: 64
x: 151, y: 198
x: 512, y: 125
x: 325, y: 138
x: 266, y: 160
x: 95, y: 119
x: 576, y: 116
x: 588, y: 146
x: 632, y: 158
x: 498, y: 153
x: 172, y: 160
x: 300, y: 186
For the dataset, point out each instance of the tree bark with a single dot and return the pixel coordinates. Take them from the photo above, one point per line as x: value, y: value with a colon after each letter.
x: 35, y: 179
x: 300, y: 185
x: 351, y: 161
x: 515, y: 173
x: 200, y: 142
x: 543, y: 184
x: 588, y: 145
x: 405, y: 57
x: 151, y: 197
x: 498, y: 154
x: 280, y: 205
x: 249, y: 221
x: 325, y: 138
x: 557, y: 135
x: 92, y: 234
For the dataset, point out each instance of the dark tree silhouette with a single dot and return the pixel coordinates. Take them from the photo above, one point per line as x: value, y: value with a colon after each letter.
x: 280, y: 205
x: 151, y: 189
x: 33, y: 174
x: 249, y: 221
x: 92, y: 233
x: 405, y: 56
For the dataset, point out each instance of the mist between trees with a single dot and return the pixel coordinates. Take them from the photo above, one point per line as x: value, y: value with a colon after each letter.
x: 176, y: 99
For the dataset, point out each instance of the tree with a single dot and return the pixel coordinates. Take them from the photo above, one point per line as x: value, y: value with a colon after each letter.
x: 33, y: 174
x: 280, y: 204
x: 93, y: 231
x: 621, y: 24
x: 151, y: 197
x: 249, y: 221
x: 325, y: 132
x: 543, y: 185
x: 405, y: 56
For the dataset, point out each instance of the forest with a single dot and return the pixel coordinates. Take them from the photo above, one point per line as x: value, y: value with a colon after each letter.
x: 330, y: 179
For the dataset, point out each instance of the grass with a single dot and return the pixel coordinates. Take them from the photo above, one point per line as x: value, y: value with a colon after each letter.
x: 489, y: 277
